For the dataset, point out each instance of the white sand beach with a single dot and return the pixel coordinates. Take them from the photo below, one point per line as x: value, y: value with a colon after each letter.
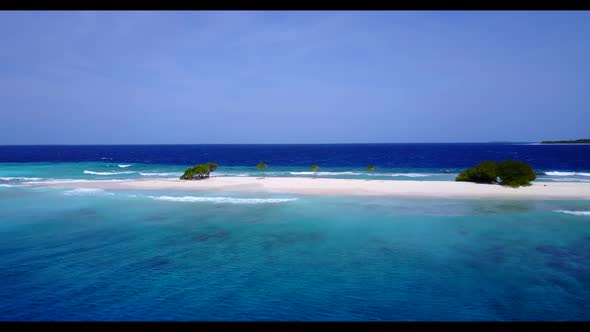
x: 320, y: 186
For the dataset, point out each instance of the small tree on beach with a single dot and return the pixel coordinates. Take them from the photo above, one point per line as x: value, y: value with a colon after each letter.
x: 515, y: 173
x: 212, y: 167
x: 200, y: 171
x: 262, y: 166
x: 188, y: 174
x: 315, y: 169
x: 371, y: 169
x: 511, y: 173
x: 484, y: 172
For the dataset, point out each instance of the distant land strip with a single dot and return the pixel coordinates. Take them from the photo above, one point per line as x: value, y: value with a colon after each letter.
x: 578, y: 141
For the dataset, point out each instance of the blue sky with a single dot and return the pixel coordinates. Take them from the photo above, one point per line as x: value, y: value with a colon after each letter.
x: 293, y: 77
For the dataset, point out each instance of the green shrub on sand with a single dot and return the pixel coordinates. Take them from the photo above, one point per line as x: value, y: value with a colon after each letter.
x: 511, y: 173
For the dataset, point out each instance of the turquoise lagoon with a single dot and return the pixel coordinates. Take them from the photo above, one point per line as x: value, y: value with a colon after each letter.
x: 82, y: 254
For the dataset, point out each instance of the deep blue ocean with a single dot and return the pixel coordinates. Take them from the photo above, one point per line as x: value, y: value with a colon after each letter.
x: 148, y: 255
x: 440, y: 155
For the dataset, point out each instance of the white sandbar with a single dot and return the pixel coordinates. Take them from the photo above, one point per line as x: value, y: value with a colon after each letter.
x: 353, y: 187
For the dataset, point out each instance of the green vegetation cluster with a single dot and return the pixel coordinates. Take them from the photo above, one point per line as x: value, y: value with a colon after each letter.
x: 315, y: 169
x: 511, y: 173
x: 200, y: 171
x: 203, y: 171
x: 261, y: 166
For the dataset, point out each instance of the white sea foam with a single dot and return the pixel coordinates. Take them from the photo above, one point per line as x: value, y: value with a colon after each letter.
x: 159, y: 174
x: 240, y: 174
x: 231, y: 200
x: 410, y: 175
x: 86, y: 192
x: 575, y: 213
x: 57, y: 181
x: 565, y: 179
x: 326, y: 173
x: 19, y: 178
x: 106, y: 173
x: 557, y: 173
x: 8, y: 185
x: 124, y: 166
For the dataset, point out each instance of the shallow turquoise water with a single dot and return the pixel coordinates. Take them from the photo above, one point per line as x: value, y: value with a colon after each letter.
x: 105, y: 170
x: 48, y: 171
x: 68, y: 254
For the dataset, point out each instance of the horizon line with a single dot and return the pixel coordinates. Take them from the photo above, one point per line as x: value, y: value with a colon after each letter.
x: 357, y: 143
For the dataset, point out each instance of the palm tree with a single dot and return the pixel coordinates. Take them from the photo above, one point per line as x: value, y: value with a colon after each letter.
x: 315, y: 169
x: 262, y: 166
x: 371, y: 169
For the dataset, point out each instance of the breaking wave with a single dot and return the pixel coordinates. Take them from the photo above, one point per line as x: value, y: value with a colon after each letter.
x: 124, y: 166
x: 19, y: 178
x: 52, y: 181
x: 326, y: 173
x: 106, y: 173
x: 556, y: 173
x: 159, y: 174
x: 564, y: 179
x: 575, y: 213
x: 410, y: 175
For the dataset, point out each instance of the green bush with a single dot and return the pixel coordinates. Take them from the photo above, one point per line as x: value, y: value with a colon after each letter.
x: 200, y: 171
x: 212, y: 166
x: 188, y: 174
x: 262, y: 166
x: 511, y: 173
x: 484, y: 172
x: 515, y: 173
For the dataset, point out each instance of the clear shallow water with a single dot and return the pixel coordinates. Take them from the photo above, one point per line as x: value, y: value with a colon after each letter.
x: 35, y: 171
x: 43, y: 172
x: 71, y: 254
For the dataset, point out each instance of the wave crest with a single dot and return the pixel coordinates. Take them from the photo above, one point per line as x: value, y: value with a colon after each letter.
x: 326, y: 173
x: 53, y: 181
x: 565, y: 179
x: 575, y: 213
x: 239, y: 174
x: 19, y: 178
x: 124, y: 166
x: 106, y: 173
x: 558, y: 173
x: 159, y: 174
x: 410, y: 175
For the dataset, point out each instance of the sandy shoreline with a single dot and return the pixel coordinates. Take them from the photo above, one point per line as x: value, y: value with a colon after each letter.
x: 347, y: 187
